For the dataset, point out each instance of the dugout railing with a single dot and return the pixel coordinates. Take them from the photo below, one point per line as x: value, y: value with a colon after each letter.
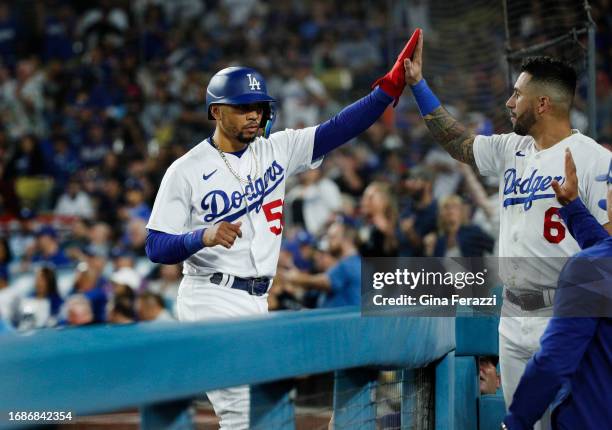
x: 161, y: 368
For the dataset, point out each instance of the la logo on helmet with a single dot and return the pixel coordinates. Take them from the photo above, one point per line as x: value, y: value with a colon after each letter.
x: 253, y: 83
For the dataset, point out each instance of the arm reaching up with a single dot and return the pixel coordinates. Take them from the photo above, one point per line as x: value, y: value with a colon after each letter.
x: 446, y: 130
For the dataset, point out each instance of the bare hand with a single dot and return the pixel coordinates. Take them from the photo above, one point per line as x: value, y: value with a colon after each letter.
x: 414, y: 67
x: 567, y: 191
x: 223, y: 234
x: 407, y: 225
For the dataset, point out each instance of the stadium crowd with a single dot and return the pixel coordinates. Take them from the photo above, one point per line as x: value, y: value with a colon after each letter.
x: 98, y: 98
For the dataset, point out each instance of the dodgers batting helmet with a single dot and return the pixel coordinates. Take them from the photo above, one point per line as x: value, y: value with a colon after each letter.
x: 240, y: 86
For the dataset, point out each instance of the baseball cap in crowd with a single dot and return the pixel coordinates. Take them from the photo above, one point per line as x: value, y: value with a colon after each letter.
x: 421, y: 172
x: 126, y: 276
x: 26, y: 214
x: 133, y: 184
x: 606, y: 177
x: 94, y: 251
x: 46, y: 230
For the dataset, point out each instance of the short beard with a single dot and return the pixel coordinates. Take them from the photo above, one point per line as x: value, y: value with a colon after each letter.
x: 246, y: 140
x: 523, y: 123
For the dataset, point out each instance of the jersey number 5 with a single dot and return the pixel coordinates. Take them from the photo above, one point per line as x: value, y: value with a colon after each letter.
x: 272, y: 216
x: 554, y: 231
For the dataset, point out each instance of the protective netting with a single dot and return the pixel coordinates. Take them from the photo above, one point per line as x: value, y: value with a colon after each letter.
x: 313, y: 399
x: 466, y: 42
x: 313, y: 403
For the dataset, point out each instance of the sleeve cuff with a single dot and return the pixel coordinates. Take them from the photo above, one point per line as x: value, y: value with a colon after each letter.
x: 382, y: 96
x: 193, y: 241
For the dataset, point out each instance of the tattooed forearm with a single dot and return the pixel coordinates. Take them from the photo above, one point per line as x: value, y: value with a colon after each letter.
x: 452, y: 135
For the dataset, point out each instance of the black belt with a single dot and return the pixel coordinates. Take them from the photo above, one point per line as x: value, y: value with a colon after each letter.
x: 527, y: 301
x: 253, y: 286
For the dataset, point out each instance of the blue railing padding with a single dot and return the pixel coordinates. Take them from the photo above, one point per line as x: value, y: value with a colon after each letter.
x: 100, y: 369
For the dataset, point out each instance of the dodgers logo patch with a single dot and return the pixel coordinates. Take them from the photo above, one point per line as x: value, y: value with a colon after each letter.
x: 528, y: 189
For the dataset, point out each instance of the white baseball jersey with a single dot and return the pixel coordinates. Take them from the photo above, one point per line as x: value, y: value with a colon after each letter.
x: 198, y: 191
x: 529, y: 222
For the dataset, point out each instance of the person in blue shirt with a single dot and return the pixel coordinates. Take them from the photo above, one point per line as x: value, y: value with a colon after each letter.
x: 342, y: 282
x: 574, y: 365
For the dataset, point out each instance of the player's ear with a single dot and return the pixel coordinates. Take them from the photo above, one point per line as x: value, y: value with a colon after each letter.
x: 543, y: 104
x: 215, y: 110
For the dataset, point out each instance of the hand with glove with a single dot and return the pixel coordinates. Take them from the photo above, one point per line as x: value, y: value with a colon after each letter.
x: 394, y: 81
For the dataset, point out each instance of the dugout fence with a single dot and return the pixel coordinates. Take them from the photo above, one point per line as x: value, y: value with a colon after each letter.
x: 160, y: 368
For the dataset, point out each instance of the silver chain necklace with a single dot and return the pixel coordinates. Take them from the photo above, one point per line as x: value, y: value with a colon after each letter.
x: 231, y: 169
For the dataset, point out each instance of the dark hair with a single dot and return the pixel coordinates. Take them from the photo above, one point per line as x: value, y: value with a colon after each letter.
x: 48, y: 274
x: 151, y: 297
x: 551, y: 71
x: 124, y: 305
x: 7, y: 250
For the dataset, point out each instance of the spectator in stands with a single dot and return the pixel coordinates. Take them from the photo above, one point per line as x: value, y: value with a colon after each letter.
x: 90, y: 284
x: 96, y: 145
x: 121, y: 308
x: 41, y: 308
x: 377, y: 236
x: 342, y: 282
x: 135, y: 205
x: 313, y: 201
x: 5, y: 259
x: 486, y: 198
x: 125, y: 281
x: 150, y: 307
x: 47, y: 249
x: 75, y: 202
x: 488, y: 376
x: 22, y: 240
x: 167, y: 284
x: 456, y: 237
x: 79, y: 311
x: 45, y: 286
x: 136, y: 236
x: 419, y: 215
x: 122, y: 257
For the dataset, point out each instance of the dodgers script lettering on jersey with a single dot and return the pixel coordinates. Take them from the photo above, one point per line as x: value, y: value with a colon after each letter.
x: 198, y: 191
x: 218, y: 204
x: 529, y: 222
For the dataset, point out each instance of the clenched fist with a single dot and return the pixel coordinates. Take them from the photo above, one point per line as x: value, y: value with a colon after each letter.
x: 223, y: 234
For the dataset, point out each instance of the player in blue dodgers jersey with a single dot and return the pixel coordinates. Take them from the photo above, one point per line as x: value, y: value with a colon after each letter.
x: 577, y: 349
x: 526, y: 162
x: 219, y: 207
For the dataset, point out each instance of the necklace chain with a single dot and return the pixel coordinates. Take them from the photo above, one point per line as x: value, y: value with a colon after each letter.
x: 231, y: 169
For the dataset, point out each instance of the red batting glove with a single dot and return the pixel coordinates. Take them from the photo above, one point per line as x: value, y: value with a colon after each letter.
x: 394, y: 81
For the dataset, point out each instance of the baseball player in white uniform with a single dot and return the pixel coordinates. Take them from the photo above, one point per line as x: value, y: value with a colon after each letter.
x: 529, y: 163
x: 219, y: 208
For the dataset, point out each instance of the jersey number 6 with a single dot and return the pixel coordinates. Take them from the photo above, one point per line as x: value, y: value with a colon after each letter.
x: 272, y: 216
x: 551, y: 226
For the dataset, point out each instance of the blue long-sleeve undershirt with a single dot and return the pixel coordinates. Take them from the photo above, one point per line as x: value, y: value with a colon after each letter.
x: 581, y: 224
x: 349, y: 122
x: 166, y: 248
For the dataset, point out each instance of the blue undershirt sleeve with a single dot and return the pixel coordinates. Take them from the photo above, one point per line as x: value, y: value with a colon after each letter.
x: 168, y: 248
x: 581, y: 224
x: 349, y: 122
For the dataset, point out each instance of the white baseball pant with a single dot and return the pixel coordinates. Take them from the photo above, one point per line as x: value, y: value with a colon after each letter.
x: 519, y: 339
x: 200, y: 300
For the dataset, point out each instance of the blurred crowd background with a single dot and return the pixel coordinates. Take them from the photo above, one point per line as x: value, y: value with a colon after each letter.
x: 98, y: 98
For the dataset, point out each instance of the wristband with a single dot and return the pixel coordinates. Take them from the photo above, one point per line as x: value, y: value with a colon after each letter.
x: 425, y: 98
x: 193, y: 241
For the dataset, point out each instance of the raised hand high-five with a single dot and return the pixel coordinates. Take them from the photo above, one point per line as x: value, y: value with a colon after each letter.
x: 568, y: 190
